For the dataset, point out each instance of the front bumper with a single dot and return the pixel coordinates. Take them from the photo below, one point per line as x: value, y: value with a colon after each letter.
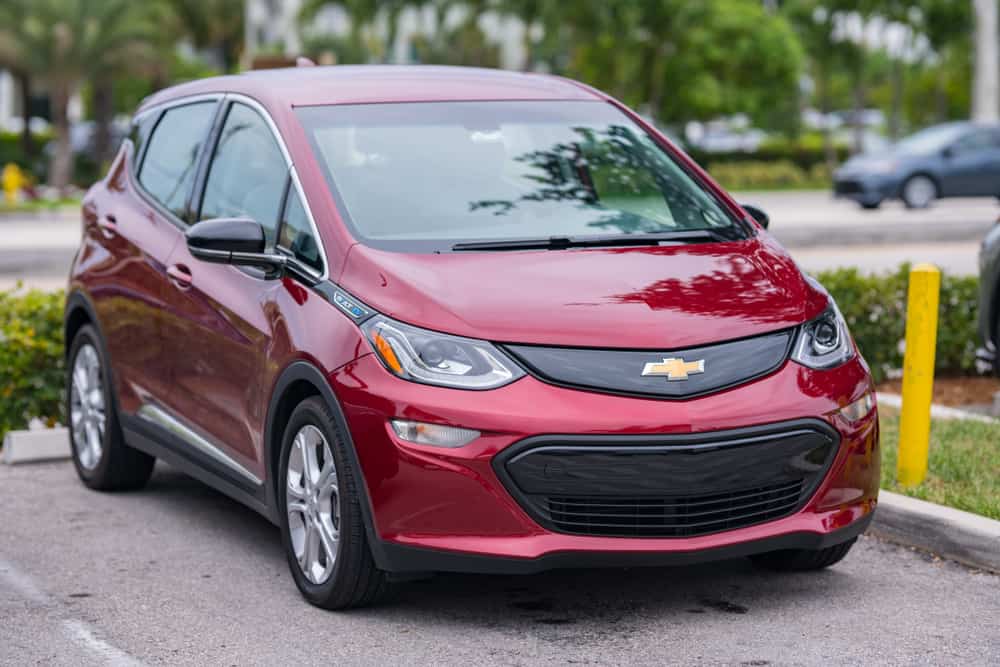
x: 441, y: 509
x: 866, y: 188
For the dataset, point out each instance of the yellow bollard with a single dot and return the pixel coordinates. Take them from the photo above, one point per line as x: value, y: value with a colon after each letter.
x: 12, y: 180
x: 918, y: 373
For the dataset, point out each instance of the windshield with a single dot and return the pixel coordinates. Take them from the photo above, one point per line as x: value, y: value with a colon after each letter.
x: 931, y: 140
x: 425, y: 176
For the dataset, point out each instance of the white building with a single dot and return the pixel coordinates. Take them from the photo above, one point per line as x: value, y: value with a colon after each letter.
x: 271, y: 24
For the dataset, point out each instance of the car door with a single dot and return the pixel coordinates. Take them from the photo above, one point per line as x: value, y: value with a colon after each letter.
x: 139, y: 226
x: 219, y: 338
x: 972, y: 165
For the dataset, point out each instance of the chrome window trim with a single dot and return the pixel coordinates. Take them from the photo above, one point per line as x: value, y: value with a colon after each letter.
x: 134, y: 174
x: 222, y: 98
x: 160, y: 417
x: 293, y: 174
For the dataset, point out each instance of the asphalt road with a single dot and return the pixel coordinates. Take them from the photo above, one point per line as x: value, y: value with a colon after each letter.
x: 820, y: 232
x: 178, y: 574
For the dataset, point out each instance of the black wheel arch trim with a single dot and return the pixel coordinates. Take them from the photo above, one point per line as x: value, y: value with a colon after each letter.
x: 307, y: 372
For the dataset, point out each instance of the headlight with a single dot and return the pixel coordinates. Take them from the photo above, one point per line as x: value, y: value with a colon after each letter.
x: 882, y: 166
x: 435, y: 358
x: 825, y: 341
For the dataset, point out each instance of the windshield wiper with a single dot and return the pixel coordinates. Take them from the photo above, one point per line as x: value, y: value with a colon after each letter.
x: 563, y: 242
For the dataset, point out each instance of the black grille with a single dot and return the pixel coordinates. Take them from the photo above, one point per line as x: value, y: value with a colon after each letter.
x: 847, y: 187
x: 677, y: 485
x: 677, y: 516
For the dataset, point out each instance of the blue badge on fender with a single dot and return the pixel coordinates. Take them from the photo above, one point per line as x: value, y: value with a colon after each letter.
x: 350, y: 306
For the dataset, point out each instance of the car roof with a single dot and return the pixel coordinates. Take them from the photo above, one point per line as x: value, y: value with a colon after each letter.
x: 355, y: 84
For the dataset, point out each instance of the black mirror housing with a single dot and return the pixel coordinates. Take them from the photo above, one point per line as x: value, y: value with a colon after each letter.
x: 238, y: 241
x: 762, y: 218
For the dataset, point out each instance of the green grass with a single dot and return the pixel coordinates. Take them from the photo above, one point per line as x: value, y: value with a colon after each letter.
x: 963, y: 469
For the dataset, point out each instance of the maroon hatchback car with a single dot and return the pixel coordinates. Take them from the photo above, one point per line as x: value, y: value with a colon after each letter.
x: 443, y: 319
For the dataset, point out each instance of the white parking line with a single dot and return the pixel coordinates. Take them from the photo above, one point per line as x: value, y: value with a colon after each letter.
x: 75, y: 630
x: 79, y: 632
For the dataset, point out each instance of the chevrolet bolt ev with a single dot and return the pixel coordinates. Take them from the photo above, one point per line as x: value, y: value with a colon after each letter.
x: 445, y: 319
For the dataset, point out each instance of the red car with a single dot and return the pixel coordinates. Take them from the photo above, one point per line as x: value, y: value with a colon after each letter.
x: 441, y: 319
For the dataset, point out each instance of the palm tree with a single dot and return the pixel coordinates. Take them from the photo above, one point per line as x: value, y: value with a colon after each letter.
x: 66, y: 42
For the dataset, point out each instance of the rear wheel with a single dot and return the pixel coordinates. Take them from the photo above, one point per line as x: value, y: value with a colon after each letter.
x: 871, y: 205
x: 800, y: 560
x: 102, y: 459
x: 321, y: 522
x: 919, y: 191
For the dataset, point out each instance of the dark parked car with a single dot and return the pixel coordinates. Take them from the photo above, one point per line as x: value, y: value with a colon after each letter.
x: 989, y: 299
x: 455, y: 319
x: 951, y: 160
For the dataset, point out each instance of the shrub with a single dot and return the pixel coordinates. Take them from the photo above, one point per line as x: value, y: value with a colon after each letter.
x: 875, y: 308
x: 31, y: 358
x: 767, y: 175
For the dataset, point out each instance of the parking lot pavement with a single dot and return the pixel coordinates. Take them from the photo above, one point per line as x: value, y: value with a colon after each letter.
x: 178, y: 574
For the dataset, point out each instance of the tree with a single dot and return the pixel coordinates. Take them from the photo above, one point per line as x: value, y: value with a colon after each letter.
x: 986, y: 96
x: 214, y: 25
x: 66, y: 42
x: 679, y: 60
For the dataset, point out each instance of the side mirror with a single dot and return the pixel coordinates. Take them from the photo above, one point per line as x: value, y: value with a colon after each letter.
x: 238, y: 241
x: 763, y: 219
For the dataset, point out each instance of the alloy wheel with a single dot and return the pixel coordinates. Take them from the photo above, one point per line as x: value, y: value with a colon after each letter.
x: 88, y: 416
x: 312, y: 502
x: 919, y: 192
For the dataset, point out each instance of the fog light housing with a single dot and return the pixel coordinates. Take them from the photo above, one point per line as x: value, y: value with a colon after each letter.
x: 435, y: 435
x: 859, y: 409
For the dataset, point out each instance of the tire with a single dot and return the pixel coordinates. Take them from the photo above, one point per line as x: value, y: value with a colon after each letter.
x: 330, y: 518
x: 919, y: 191
x: 102, y: 459
x: 871, y: 205
x: 803, y: 560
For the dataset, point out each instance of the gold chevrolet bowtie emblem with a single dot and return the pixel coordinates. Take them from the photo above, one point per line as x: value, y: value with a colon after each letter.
x: 674, y: 368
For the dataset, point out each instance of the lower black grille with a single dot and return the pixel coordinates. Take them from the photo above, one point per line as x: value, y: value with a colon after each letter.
x: 677, y: 485
x: 679, y: 516
x: 847, y: 187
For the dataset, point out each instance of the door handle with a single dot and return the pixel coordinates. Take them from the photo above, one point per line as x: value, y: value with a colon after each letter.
x: 108, y: 224
x: 180, y: 275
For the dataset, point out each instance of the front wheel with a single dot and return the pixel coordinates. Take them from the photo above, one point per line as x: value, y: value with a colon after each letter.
x: 801, y: 560
x: 919, y: 191
x: 322, y: 527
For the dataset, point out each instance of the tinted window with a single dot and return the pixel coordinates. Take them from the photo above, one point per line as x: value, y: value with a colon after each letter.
x: 427, y: 175
x: 168, y: 169
x: 140, y: 134
x: 248, y: 173
x: 297, y: 234
x: 977, y: 140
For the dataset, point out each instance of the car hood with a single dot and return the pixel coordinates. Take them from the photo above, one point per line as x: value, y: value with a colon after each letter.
x: 661, y: 297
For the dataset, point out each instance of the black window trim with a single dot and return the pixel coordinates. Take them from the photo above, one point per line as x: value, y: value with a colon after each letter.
x: 159, y: 110
x: 221, y: 100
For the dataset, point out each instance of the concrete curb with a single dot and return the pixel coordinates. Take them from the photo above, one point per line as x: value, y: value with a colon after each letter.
x: 29, y: 446
x: 937, y: 411
x: 961, y: 536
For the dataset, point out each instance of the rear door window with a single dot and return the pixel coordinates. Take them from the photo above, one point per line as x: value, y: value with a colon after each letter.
x: 168, y: 168
x: 248, y: 172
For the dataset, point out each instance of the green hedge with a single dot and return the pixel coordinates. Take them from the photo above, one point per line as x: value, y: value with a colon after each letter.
x: 31, y: 358
x: 769, y: 175
x: 803, y: 157
x: 31, y: 345
x: 875, y: 308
